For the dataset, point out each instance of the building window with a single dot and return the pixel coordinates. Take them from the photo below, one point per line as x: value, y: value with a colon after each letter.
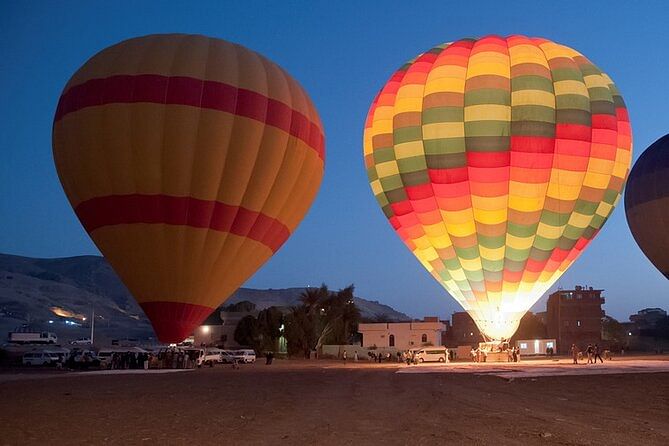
x: 391, y: 341
x: 423, y: 338
x: 578, y: 323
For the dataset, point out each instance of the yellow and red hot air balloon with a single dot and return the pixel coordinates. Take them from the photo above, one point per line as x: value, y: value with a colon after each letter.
x: 189, y: 160
x: 497, y: 160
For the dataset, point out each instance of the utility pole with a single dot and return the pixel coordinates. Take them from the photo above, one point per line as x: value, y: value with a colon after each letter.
x: 92, y: 326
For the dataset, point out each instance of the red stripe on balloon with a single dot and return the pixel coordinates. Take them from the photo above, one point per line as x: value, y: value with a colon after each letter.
x: 175, y: 321
x: 180, y: 90
x: 154, y: 209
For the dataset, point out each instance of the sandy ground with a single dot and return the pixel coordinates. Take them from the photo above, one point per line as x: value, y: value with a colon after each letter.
x: 328, y: 403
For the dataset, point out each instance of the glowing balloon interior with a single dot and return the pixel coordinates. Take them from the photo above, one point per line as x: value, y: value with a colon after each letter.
x: 189, y: 160
x: 497, y: 160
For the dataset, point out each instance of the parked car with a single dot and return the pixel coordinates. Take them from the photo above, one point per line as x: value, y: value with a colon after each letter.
x: 213, y: 356
x: 40, y: 358
x: 227, y: 356
x: 432, y: 354
x: 82, y: 359
x: 81, y: 341
x: 245, y: 356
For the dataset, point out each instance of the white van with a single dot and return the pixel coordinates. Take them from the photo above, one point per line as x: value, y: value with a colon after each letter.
x: 245, y: 356
x: 228, y: 356
x: 432, y: 354
x: 40, y: 358
x: 196, y: 354
x: 213, y: 356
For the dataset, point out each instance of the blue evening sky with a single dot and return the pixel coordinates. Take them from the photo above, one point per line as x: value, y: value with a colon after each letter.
x: 342, y: 53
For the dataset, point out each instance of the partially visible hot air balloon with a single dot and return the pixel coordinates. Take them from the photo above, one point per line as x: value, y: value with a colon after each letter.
x: 189, y: 160
x: 497, y: 160
x: 647, y: 203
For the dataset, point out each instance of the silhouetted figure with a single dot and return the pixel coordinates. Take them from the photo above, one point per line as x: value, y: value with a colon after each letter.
x: 574, y: 353
x: 596, y: 354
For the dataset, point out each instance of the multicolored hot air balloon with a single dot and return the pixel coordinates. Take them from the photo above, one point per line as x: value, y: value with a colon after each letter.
x: 189, y: 160
x: 497, y: 160
x: 647, y: 203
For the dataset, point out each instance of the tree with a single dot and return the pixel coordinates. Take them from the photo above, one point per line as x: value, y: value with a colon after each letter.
x: 662, y: 328
x: 248, y: 333
x: 612, y: 330
x: 530, y: 327
x: 269, y: 323
x: 300, y: 331
x: 312, y: 298
x: 324, y: 317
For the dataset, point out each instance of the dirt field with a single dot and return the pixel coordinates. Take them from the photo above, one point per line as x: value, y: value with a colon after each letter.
x: 326, y: 403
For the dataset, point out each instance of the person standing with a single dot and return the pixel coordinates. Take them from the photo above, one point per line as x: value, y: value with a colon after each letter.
x: 589, y: 352
x: 574, y: 353
x: 344, y: 356
x: 597, y: 355
x: 355, y: 356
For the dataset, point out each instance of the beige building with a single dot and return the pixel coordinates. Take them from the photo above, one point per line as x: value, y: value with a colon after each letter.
x: 402, y: 335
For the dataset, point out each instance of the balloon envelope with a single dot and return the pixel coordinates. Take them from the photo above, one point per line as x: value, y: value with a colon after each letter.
x: 647, y: 203
x: 189, y: 160
x: 497, y: 160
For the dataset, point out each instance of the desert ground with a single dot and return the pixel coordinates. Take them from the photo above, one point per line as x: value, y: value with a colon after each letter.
x: 331, y: 403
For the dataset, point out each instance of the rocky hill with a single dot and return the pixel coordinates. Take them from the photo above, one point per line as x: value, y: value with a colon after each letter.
x: 36, y: 291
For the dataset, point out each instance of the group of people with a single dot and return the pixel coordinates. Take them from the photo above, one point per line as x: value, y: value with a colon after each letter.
x: 173, y: 358
x: 374, y: 357
x: 129, y: 360
x: 408, y: 356
x: 77, y: 360
x: 592, y: 352
x: 513, y: 354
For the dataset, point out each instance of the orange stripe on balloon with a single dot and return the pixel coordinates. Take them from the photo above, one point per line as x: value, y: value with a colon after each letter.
x: 155, y: 209
x: 181, y: 90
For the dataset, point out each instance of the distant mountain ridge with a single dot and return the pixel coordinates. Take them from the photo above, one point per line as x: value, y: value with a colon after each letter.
x: 33, y: 290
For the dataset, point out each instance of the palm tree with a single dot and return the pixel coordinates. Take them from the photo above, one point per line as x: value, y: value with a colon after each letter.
x: 312, y: 297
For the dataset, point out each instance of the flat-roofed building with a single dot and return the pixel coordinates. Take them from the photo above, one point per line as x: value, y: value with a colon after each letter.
x: 575, y: 317
x: 402, y: 335
x: 463, y: 330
